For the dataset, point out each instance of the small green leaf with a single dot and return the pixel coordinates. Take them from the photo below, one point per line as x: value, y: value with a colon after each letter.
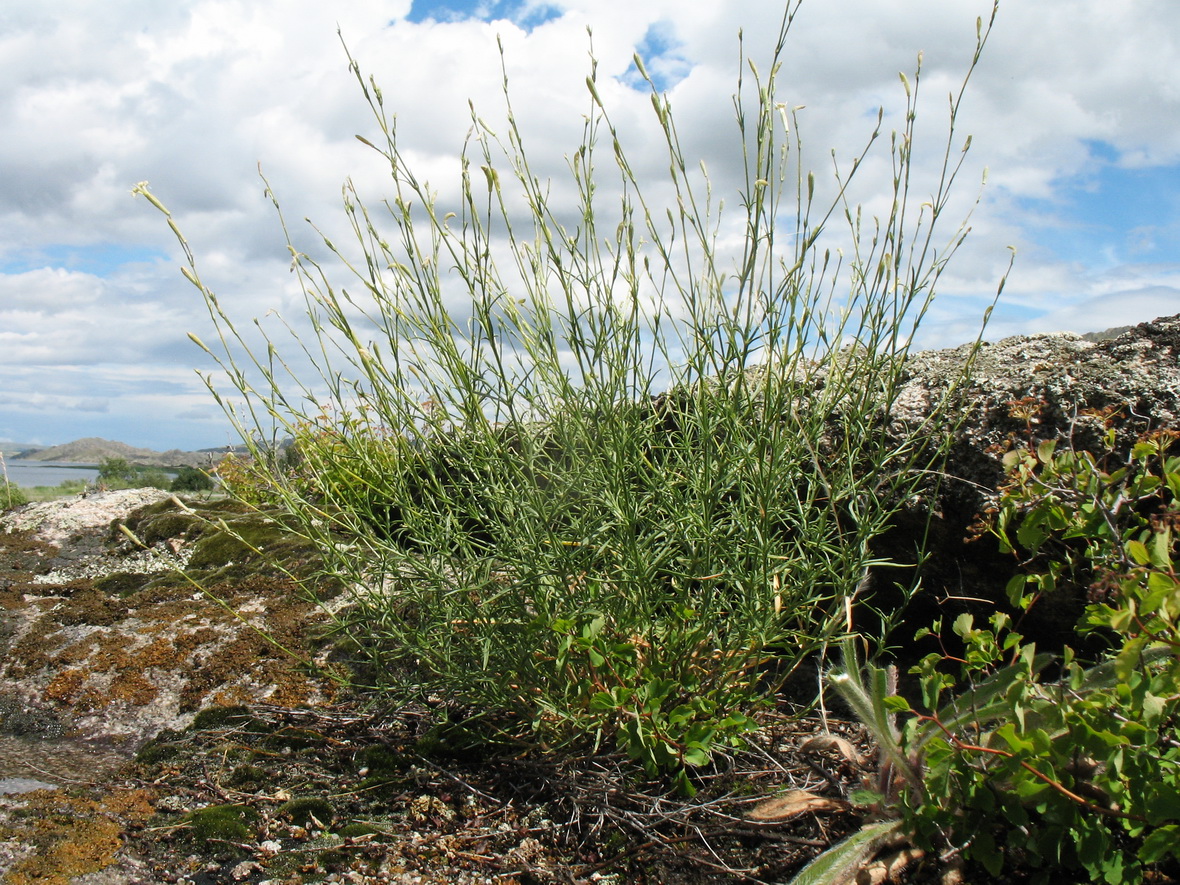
x: 602, y: 701
x: 1012, y: 459
x: 1160, y: 844
x: 1122, y: 620
x: 1164, y: 803
x: 1031, y: 533
x: 1017, y: 742
x: 984, y: 850
x: 1015, y: 589
x: 865, y: 798
x: 1161, y: 550
x: 684, y: 786
x: 1128, y: 659
x: 1093, y: 846
x: 1137, y: 550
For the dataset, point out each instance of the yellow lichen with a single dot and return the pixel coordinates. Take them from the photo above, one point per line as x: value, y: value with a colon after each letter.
x: 70, y: 837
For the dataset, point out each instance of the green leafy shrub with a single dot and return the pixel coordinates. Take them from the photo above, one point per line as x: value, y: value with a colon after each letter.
x: 190, y: 479
x: 1039, y: 763
x: 116, y: 471
x: 11, y: 495
x: 618, y: 490
x: 251, y: 478
x: 119, y: 473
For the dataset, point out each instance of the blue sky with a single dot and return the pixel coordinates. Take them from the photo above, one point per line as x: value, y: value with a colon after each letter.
x: 1073, y: 112
x: 524, y: 14
x: 1113, y: 214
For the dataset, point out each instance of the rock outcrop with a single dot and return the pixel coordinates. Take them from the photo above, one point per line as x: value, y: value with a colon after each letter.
x: 103, y: 640
x: 1056, y: 386
x: 98, y: 635
x: 1062, y: 386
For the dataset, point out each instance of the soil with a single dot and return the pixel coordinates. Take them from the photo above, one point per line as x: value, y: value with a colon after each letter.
x: 268, y: 794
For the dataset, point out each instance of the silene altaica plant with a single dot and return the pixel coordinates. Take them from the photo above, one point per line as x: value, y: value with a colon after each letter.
x: 587, y: 470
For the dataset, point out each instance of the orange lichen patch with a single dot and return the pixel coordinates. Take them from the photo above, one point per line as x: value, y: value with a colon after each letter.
x: 70, y: 837
x: 93, y: 608
x: 135, y: 805
x: 166, y: 648
x: 252, y: 654
x: 190, y: 640
x: 171, y: 605
x: 132, y: 688
x: 76, y: 652
x: 215, y: 649
x: 65, y: 686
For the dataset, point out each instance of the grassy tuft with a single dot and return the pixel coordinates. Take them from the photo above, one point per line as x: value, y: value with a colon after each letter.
x: 589, y: 473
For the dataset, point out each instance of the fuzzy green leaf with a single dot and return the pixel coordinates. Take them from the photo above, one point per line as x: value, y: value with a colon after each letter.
x: 839, y: 862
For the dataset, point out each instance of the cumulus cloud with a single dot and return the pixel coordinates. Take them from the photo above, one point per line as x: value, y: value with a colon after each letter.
x: 195, y: 96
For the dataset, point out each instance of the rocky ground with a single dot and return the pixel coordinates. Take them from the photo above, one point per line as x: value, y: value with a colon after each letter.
x: 156, y: 728
x: 153, y: 732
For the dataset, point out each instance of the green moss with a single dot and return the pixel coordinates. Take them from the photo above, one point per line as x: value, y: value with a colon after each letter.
x: 120, y: 584
x: 164, y: 581
x: 357, y: 829
x: 254, y: 544
x: 223, y: 823
x: 219, y: 717
x: 157, y: 751
x: 247, y: 776
x: 307, y: 811
x: 293, y: 739
x: 168, y: 525
x: 138, y: 519
x: 219, y: 549
x: 384, y: 767
x: 382, y: 760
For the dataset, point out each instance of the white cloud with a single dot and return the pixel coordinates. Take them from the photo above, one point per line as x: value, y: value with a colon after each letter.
x: 194, y: 95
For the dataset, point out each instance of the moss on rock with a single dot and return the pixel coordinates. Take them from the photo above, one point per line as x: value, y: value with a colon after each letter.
x: 222, y: 823
x: 308, y: 811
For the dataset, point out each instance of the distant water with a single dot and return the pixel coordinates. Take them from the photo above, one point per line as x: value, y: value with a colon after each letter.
x: 28, y: 474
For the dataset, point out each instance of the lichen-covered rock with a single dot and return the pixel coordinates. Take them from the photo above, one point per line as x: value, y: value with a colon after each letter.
x: 56, y: 522
x: 108, y: 639
x: 1057, y: 386
x: 1062, y: 386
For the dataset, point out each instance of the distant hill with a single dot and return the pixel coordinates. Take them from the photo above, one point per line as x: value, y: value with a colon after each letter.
x: 93, y: 450
x: 12, y: 449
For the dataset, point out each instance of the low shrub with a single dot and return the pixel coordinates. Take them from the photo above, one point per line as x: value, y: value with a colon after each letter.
x: 190, y: 479
x: 1039, y: 763
x: 11, y: 495
x: 118, y: 473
